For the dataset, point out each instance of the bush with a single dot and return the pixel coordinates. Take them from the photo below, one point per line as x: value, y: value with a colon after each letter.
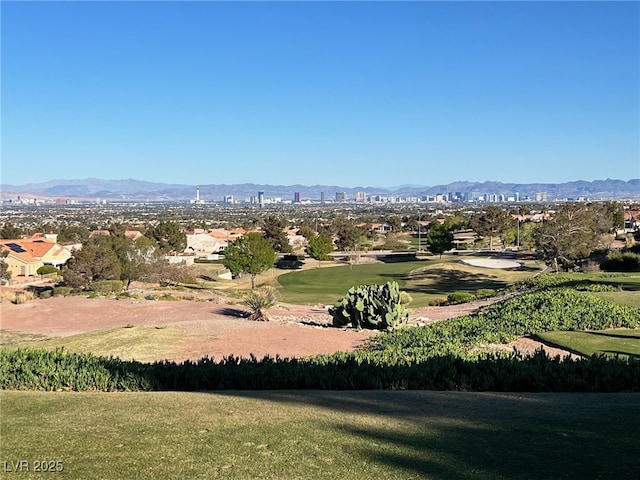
x: 260, y: 298
x: 62, y: 291
x: 45, y: 294
x: 405, y: 298
x: 106, y: 287
x: 460, y: 297
x: 23, y: 297
x: 621, y: 262
x: 485, y: 292
x: 436, y: 302
x: 48, y: 269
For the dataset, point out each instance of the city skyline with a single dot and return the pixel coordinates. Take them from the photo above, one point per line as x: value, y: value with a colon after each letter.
x: 421, y: 93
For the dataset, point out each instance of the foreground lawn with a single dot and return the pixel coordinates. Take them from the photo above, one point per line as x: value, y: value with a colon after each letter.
x: 610, y: 342
x: 310, y: 435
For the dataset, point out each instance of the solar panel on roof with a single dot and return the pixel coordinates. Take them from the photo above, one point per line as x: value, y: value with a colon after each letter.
x: 15, y: 247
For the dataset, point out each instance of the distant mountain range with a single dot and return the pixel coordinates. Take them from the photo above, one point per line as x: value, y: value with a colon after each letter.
x: 136, y: 190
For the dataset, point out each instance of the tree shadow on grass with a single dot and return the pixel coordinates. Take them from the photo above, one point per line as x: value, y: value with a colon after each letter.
x: 440, y: 280
x: 450, y: 435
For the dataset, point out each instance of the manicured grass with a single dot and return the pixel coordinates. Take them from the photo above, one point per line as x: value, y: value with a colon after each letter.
x: 143, y: 343
x: 314, y: 435
x: 610, y: 342
x: 622, y: 298
x: 423, y: 279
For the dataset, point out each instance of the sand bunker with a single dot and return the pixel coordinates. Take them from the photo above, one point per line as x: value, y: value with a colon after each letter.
x: 491, y: 263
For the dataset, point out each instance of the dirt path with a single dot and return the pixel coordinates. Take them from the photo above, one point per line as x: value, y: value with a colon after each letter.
x: 214, y: 328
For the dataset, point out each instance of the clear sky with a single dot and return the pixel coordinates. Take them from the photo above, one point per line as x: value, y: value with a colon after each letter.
x: 340, y: 93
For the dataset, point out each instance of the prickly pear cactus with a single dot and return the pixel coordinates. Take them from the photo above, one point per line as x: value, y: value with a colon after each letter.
x: 370, y: 306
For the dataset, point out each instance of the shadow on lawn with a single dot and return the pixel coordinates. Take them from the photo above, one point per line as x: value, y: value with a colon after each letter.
x: 439, y: 280
x: 448, y: 435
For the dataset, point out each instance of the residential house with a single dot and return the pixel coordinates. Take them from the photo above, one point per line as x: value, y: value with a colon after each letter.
x: 204, y: 243
x: 25, y: 257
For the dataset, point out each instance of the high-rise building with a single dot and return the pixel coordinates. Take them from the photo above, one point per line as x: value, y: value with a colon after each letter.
x: 541, y: 196
x: 322, y: 197
x: 197, y: 200
x: 361, y: 197
x: 296, y: 197
x: 341, y: 197
x: 261, y: 199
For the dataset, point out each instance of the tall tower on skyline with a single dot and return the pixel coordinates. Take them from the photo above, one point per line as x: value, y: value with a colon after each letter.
x: 197, y: 200
x: 261, y: 199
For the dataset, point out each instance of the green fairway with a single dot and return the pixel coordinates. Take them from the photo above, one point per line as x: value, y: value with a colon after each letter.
x: 622, y: 298
x: 328, y: 284
x: 425, y: 280
x: 610, y: 342
x: 314, y: 435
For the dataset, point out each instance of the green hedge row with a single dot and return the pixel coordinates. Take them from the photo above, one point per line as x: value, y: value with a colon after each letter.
x: 41, y: 370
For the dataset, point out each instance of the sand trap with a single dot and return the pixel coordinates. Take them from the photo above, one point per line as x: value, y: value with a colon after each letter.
x: 491, y: 263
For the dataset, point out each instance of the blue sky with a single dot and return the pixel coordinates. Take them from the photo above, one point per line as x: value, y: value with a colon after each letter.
x: 339, y: 93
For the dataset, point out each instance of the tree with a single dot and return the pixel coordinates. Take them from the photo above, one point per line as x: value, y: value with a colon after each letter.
x: 170, y: 237
x: 456, y: 222
x: 73, y: 234
x: 273, y: 229
x: 10, y: 231
x: 439, y: 239
x: 92, y: 263
x: 5, y: 273
x: 395, y: 222
x: 251, y: 254
x: 320, y: 247
x: 141, y: 262
x: 307, y: 231
x: 569, y: 236
x: 349, y: 236
x: 491, y: 223
x: 609, y: 216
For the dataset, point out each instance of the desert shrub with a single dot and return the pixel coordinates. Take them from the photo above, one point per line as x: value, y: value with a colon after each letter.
x: 48, y: 269
x: 46, y: 293
x: 23, y: 297
x: 260, y: 298
x: 62, y: 291
x: 621, y: 262
x: 460, y: 297
x: 169, y: 297
x: 106, y: 287
x: 436, y: 302
x: 150, y: 297
x: 485, y: 292
x: 590, y: 266
x: 405, y: 298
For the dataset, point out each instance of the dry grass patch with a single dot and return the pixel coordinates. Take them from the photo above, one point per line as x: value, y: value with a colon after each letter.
x: 142, y: 343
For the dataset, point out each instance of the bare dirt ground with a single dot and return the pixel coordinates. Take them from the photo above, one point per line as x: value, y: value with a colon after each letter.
x: 214, y: 326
